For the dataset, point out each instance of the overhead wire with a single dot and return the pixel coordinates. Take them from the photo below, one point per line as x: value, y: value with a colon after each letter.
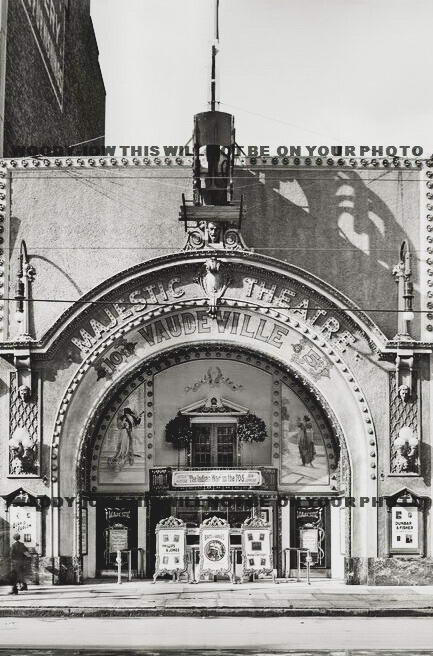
x: 187, y: 304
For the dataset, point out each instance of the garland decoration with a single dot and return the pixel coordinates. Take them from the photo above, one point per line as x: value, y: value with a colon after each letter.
x: 178, y: 431
x: 251, y: 428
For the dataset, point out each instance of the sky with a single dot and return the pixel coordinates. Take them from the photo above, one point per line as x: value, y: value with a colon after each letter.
x: 307, y: 72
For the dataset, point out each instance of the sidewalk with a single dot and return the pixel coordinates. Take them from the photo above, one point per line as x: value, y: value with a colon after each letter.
x: 142, y: 598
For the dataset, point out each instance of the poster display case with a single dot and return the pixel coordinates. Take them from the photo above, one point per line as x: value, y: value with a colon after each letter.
x: 312, y: 533
x: 257, y: 548
x: 25, y: 518
x: 215, y: 548
x: 309, y: 539
x: 171, y: 555
x: 406, y: 523
x: 404, y: 529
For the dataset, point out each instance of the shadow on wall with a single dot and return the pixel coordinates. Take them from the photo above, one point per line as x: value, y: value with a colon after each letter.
x: 335, y: 226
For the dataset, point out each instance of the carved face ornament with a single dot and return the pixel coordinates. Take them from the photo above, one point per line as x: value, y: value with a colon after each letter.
x: 24, y: 393
x: 404, y: 393
x: 213, y: 232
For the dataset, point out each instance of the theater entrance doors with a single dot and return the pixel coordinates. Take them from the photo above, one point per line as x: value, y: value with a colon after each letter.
x: 116, y: 529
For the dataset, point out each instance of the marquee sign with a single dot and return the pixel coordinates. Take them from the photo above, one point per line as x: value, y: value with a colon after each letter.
x: 170, y: 291
x: 217, y: 478
x: 170, y: 547
x: 215, y: 548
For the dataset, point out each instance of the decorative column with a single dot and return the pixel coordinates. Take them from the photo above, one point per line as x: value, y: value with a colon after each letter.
x: 402, y: 273
x: 404, y: 429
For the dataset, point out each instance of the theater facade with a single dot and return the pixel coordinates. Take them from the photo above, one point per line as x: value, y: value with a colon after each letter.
x: 263, y: 361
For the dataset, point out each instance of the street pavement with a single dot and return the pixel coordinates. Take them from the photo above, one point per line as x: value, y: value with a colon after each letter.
x: 142, y: 598
x: 212, y: 636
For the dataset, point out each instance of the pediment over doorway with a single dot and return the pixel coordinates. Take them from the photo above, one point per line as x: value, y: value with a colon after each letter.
x: 214, y: 405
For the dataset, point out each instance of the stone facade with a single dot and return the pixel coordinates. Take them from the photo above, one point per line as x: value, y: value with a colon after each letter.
x: 147, y: 326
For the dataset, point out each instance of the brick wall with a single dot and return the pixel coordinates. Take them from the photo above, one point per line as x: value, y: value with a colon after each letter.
x: 33, y: 115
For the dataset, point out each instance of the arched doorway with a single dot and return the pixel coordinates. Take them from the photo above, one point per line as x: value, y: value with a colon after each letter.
x: 302, y: 461
x: 255, y: 317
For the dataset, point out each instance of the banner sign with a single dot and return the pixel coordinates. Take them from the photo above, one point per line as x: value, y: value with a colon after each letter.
x: 170, y: 547
x: 217, y: 478
x: 404, y: 529
x: 215, y: 547
x: 257, y: 547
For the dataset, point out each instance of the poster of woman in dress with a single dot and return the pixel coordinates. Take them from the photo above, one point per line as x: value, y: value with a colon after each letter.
x: 303, y: 454
x: 122, y: 459
x: 307, y: 449
x: 127, y: 421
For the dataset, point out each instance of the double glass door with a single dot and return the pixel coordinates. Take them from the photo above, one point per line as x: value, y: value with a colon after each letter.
x: 214, y: 445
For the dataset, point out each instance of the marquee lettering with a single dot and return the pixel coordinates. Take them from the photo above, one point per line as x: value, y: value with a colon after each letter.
x: 186, y: 323
x: 234, y: 323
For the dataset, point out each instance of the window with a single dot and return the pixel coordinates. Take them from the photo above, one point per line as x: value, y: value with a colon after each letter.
x: 225, y: 438
x: 213, y: 445
x: 201, y: 446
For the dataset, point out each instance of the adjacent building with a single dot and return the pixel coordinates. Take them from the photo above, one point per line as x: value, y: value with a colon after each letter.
x: 52, y: 93
x: 249, y: 343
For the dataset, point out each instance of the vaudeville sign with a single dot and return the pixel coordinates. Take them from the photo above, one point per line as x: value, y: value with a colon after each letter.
x: 166, y: 290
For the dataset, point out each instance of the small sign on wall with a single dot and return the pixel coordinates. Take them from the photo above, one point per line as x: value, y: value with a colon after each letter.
x: 23, y: 520
x: 404, y: 529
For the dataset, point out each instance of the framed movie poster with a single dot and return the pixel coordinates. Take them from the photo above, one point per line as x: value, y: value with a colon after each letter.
x: 405, y: 529
x: 215, y: 548
x: 309, y: 539
x: 24, y: 520
x: 257, y: 547
x: 170, y: 548
x: 117, y: 538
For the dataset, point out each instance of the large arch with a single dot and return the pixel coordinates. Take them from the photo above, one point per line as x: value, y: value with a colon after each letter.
x: 289, y: 335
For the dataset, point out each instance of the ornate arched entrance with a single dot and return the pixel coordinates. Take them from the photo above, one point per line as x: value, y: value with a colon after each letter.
x: 291, y: 473
x: 164, y: 315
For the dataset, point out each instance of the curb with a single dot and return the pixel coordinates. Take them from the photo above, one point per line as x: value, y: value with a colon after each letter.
x: 109, y: 611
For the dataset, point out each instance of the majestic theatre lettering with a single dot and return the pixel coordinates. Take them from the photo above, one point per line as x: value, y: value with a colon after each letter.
x: 259, y: 294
